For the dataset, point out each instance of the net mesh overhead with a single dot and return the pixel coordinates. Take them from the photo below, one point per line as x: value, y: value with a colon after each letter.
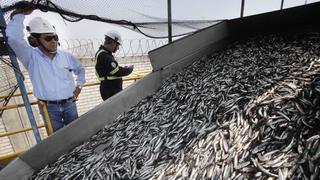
x: 126, y: 13
x: 150, y: 17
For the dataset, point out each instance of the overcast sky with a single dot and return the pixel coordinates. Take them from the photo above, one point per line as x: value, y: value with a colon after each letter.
x: 181, y: 9
x: 194, y: 10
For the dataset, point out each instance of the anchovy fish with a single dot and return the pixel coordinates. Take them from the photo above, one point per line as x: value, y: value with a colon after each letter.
x: 248, y: 111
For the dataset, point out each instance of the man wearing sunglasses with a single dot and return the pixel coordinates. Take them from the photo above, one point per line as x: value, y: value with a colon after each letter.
x: 51, y: 69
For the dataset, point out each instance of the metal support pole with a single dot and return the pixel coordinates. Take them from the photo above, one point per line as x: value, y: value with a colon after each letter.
x: 282, y: 2
x: 47, y: 120
x: 169, y: 22
x: 19, y: 78
x: 242, y: 8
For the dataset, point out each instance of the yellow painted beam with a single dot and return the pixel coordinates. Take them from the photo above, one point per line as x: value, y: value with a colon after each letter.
x: 9, y: 157
x: 18, y: 131
x: 134, y: 76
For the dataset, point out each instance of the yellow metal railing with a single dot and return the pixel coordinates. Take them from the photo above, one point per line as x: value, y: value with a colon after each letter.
x: 134, y: 76
x: 18, y: 131
x: 46, y: 118
x: 9, y: 157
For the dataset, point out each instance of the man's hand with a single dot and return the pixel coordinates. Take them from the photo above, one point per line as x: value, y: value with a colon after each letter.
x: 76, y: 93
x: 130, y: 68
x: 23, y: 7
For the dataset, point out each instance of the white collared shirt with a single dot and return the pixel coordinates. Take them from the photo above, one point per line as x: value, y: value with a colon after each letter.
x: 52, y: 79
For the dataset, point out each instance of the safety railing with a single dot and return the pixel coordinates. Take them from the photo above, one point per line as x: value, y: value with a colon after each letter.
x: 6, y: 158
x: 134, y: 76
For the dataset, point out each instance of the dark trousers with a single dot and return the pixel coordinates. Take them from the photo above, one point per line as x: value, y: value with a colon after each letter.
x: 106, y: 92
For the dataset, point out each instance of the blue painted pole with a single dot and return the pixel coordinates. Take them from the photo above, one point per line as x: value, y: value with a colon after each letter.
x: 281, y: 6
x: 169, y: 21
x: 242, y: 8
x: 19, y: 78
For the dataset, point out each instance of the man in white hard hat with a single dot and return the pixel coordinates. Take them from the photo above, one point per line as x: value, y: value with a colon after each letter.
x: 108, y: 70
x: 51, y: 69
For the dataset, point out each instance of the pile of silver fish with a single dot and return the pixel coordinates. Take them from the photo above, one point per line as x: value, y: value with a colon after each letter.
x: 248, y: 111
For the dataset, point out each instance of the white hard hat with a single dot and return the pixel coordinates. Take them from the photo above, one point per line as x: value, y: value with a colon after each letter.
x: 115, y: 35
x: 40, y: 25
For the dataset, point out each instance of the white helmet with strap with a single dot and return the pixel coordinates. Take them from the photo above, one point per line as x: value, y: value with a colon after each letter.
x: 115, y: 35
x: 40, y: 25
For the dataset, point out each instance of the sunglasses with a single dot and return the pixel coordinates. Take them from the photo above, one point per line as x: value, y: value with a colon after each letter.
x: 49, y: 38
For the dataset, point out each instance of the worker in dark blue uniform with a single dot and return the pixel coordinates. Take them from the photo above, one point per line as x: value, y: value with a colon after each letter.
x: 107, y: 68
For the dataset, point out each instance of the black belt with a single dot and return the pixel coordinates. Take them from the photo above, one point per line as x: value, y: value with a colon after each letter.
x: 62, y: 101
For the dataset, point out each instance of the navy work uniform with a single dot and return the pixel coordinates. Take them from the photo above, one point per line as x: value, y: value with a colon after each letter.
x: 109, y: 73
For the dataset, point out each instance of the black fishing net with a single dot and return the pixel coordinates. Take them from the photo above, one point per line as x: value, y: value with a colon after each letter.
x: 151, y: 17
x: 125, y: 13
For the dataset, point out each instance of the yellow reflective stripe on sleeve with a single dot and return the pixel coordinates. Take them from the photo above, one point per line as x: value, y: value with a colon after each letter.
x: 115, y: 70
x: 100, y: 78
x: 113, y: 77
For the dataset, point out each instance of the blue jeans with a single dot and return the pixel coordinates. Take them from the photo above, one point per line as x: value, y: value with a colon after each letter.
x: 61, y: 114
